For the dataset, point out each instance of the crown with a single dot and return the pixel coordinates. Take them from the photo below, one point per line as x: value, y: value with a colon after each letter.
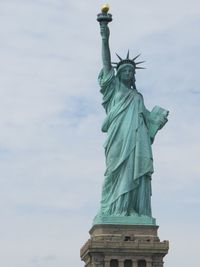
x: 127, y: 60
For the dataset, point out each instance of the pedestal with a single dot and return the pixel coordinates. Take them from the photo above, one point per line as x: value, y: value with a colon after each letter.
x: 124, y: 246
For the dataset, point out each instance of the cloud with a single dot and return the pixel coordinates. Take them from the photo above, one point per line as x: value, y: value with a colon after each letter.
x: 37, y: 261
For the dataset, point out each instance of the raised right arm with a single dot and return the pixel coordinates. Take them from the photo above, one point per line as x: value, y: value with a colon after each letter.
x: 106, y: 58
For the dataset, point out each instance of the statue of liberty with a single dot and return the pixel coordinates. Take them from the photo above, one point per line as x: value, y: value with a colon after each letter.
x: 131, y: 129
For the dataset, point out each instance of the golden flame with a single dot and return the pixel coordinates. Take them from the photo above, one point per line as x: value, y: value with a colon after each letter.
x: 105, y: 8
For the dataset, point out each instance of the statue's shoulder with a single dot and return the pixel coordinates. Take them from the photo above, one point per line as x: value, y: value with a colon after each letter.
x: 106, y: 79
x: 139, y: 95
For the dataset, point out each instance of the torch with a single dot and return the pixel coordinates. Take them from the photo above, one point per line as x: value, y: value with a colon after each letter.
x: 104, y: 16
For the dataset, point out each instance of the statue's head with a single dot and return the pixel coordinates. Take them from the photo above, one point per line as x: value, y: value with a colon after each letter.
x: 126, y: 68
x: 126, y: 73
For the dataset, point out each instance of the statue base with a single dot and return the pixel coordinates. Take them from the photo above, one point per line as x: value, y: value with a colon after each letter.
x: 124, y: 246
x: 124, y: 220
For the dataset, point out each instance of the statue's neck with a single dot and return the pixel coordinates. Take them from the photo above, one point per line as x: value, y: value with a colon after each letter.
x: 129, y: 84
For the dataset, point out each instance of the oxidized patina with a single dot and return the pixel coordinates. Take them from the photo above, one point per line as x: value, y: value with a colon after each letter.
x: 130, y: 128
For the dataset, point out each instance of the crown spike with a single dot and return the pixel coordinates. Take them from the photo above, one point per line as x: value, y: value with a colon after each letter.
x: 141, y: 68
x: 136, y: 57
x: 136, y: 63
x: 119, y: 57
x: 127, y: 57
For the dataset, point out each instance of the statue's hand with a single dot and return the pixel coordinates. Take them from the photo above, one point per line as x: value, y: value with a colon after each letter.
x: 104, y: 30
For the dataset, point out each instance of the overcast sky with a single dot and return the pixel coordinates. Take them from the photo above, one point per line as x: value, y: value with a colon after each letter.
x: 51, y: 154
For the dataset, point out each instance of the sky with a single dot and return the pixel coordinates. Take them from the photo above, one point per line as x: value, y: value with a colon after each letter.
x: 51, y: 155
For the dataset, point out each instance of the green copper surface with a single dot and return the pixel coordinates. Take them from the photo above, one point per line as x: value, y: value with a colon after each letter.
x: 125, y: 220
x: 131, y: 129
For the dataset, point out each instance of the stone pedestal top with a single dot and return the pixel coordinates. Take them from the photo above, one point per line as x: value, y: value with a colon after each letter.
x: 125, y: 241
x: 138, y: 231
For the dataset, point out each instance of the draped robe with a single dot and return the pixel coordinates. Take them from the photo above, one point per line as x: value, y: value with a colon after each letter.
x: 129, y: 162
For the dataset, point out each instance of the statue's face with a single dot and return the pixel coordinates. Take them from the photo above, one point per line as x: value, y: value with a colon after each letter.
x: 127, y: 74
